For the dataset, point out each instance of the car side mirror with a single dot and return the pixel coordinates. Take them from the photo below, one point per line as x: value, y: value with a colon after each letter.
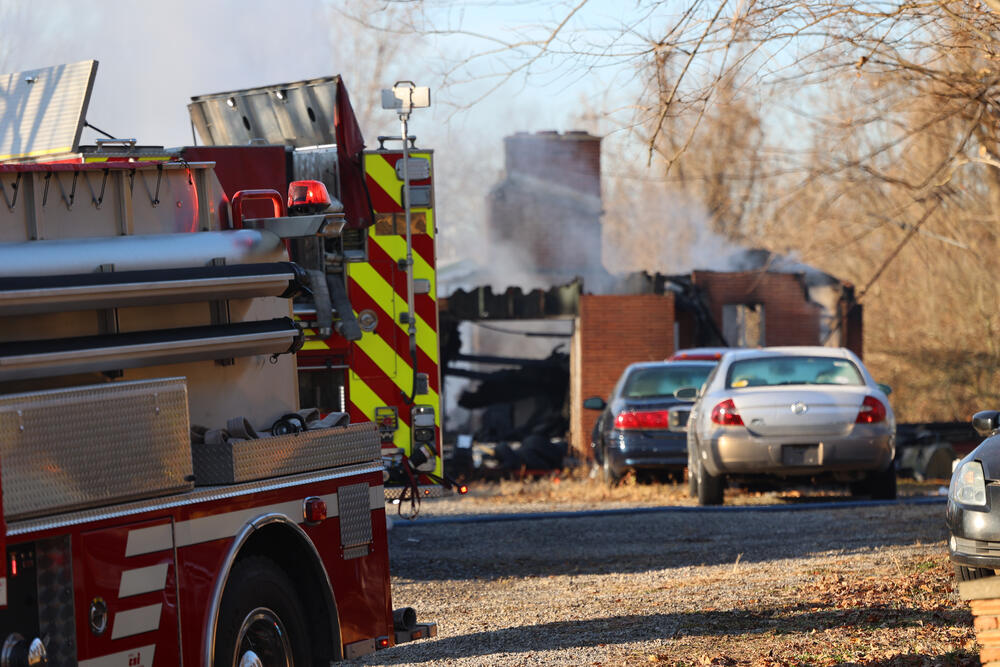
x: 986, y: 422
x: 886, y: 389
x: 686, y: 393
x: 594, y: 403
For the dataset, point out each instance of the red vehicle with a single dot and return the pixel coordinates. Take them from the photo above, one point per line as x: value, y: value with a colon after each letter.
x: 165, y: 497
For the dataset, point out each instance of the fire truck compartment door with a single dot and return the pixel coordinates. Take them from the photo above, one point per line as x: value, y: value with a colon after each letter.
x: 67, y: 449
x: 131, y: 569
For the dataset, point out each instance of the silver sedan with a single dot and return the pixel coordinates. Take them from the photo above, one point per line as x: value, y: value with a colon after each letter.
x: 791, y: 412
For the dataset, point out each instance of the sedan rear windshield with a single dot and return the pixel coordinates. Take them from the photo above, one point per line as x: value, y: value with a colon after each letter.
x: 664, y: 380
x: 775, y: 371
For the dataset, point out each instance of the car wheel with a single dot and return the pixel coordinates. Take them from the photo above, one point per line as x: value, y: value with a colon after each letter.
x: 963, y: 573
x: 607, y: 472
x: 710, y: 487
x: 882, y: 485
x: 261, y: 620
x: 876, y: 485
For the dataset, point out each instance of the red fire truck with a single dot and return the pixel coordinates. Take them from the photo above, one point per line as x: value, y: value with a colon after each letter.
x: 377, y: 356
x: 166, y: 498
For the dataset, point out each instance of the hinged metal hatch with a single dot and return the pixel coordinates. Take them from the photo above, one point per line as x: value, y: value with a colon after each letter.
x: 292, y: 114
x: 44, y: 110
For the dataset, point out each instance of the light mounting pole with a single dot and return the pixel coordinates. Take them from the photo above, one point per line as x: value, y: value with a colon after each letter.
x: 403, y: 98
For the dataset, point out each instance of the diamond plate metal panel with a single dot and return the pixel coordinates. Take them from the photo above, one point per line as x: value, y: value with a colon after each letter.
x: 54, y: 574
x: 426, y: 491
x: 354, y: 506
x: 247, y: 460
x: 88, y: 446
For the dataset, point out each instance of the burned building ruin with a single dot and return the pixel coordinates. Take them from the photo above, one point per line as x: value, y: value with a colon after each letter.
x: 547, y: 210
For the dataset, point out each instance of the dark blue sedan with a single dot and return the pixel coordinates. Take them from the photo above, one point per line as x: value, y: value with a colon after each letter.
x: 643, y: 424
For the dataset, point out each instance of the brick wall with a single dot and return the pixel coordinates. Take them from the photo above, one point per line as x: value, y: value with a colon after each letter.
x: 612, y: 332
x: 789, y: 317
x: 572, y: 159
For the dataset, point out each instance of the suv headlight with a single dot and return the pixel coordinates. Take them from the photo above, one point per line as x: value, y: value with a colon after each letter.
x: 968, y: 485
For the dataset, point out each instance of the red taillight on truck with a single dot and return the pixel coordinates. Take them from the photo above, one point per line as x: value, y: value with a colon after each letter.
x: 649, y: 419
x: 872, y: 411
x: 725, y: 414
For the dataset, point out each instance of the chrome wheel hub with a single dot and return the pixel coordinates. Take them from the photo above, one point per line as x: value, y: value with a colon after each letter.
x: 263, y: 641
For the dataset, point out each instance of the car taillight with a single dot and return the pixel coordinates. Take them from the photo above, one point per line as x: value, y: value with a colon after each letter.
x: 648, y: 419
x: 725, y: 414
x: 872, y: 411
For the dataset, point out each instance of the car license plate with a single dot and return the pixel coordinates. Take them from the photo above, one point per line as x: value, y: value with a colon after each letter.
x: 800, y: 455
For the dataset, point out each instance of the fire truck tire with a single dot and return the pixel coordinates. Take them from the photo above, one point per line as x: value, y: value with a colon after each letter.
x: 260, y: 613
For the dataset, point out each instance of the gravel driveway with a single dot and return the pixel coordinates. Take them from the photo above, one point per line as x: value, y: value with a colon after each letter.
x: 860, y: 585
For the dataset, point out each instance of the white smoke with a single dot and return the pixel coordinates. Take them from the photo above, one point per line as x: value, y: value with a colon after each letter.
x: 650, y: 227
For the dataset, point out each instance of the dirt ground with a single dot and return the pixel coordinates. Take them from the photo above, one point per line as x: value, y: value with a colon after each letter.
x: 783, y: 584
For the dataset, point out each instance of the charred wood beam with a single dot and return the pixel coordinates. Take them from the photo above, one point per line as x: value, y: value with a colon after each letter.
x: 508, y: 361
x: 513, y: 304
x: 466, y: 373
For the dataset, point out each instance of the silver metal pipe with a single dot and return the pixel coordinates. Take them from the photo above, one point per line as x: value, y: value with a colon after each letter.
x: 411, y: 314
x: 410, y: 303
x: 147, y: 251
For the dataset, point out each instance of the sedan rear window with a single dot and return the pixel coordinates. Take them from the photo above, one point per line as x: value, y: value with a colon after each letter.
x: 775, y: 371
x: 664, y: 380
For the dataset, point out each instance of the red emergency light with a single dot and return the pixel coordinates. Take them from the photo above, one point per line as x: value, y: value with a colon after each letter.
x: 307, y: 198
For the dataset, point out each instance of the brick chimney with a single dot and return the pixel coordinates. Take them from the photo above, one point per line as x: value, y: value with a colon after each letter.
x: 549, y: 205
x: 572, y: 159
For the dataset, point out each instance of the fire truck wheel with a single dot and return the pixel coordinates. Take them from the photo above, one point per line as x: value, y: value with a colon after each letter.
x: 261, y: 620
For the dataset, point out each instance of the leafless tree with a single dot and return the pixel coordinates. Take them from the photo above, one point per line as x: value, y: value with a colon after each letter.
x: 861, y: 136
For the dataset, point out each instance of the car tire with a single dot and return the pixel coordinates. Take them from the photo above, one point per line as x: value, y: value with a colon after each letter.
x: 607, y: 472
x: 963, y: 573
x: 876, y: 485
x: 710, y: 488
x: 882, y: 485
x: 260, y: 614
x: 692, y: 476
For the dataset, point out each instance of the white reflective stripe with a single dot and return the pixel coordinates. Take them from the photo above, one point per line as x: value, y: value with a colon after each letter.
x: 377, y: 496
x: 148, y: 540
x: 137, y: 657
x: 143, y: 580
x: 221, y: 526
x: 136, y: 621
x: 3, y: 591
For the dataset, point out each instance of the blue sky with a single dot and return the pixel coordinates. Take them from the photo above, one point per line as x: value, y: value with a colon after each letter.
x: 154, y: 56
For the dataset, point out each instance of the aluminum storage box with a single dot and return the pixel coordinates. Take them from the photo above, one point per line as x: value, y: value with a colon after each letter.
x: 248, y: 460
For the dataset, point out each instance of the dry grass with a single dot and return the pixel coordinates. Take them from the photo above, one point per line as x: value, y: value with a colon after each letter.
x: 577, y: 488
x: 849, y: 617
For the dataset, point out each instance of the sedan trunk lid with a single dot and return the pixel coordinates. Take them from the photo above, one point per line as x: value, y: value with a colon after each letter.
x: 799, y: 410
